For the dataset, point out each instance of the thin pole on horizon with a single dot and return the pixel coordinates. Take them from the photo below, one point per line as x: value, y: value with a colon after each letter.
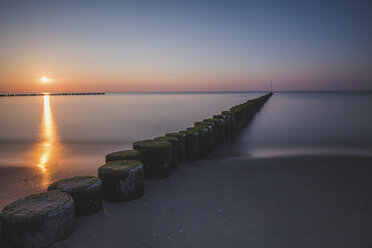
x: 271, y: 85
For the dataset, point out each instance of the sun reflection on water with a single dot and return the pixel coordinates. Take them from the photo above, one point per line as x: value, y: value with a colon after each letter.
x: 48, y: 148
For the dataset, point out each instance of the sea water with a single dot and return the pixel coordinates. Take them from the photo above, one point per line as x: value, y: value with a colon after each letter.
x: 46, y: 138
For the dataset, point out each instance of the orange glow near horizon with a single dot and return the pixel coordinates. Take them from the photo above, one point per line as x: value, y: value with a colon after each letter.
x: 47, y: 150
x: 250, y: 80
x: 134, y: 84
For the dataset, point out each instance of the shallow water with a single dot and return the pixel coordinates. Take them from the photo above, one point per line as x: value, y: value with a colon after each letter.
x: 43, y: 139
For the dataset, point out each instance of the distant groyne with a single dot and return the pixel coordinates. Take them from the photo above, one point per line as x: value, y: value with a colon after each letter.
x: 52, y: 94
x: 39, y: 220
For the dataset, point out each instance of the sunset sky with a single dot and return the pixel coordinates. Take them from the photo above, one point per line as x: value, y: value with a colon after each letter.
x: 184, y: 45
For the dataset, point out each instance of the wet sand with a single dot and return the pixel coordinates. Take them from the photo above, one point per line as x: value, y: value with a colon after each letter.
x: 302, y: 201
x: 21, y: 178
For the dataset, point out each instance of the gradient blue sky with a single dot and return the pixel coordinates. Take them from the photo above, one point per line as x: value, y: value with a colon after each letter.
x: 185, y: 45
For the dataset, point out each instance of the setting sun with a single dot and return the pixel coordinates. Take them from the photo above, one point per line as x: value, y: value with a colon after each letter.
x: 44, y: 79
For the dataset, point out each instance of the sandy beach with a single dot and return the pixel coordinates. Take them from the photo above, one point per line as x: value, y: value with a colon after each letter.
x: 227, y: 201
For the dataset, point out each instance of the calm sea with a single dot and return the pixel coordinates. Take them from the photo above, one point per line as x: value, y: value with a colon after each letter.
x: 43, y: 139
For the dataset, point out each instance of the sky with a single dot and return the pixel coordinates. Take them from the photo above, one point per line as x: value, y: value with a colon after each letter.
x: 124, y: 46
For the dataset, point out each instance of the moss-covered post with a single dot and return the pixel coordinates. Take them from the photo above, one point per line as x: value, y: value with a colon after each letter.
x: 216, y: 129
x: 124, y: 155
x: 156, y: 157
x: 86, y: 192
x: 122, y: 180
x: 251, y: 110
x: 245, y: 111
x: 226, y: 125
x: 232, y: 131
x: 238, y: 113
x: 246, y: 114
x: 181, y: 146
x: 220, y: 138
x: 39, y: 220
x: 203, y: 140
x: 175, y: 152
x: 192, y: 145
x: 254, y: 105
x: 211, y: 133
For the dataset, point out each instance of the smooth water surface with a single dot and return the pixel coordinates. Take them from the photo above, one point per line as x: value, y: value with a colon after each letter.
x: 43, y: 139
x: 310, y: 123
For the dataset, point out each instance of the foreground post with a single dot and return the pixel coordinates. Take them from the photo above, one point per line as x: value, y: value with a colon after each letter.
x: 203, y: 133
x: 211, y: 133
x: 175, y: 152
x: 86, y: 192
x: 122, y: 180
x: 123, y: 155
x: 192, y: 145
x: 156, y: 157
x: 38, y: 220
x: 181, y: 145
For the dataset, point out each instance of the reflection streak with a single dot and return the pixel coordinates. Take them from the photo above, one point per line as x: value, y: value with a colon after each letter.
x: 47, y: 150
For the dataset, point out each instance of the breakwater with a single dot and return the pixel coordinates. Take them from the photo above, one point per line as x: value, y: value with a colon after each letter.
x: 52, y: 94
x: 121, y: 178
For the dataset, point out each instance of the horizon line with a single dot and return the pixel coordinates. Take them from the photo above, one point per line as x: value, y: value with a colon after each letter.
x: 196, y: 91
